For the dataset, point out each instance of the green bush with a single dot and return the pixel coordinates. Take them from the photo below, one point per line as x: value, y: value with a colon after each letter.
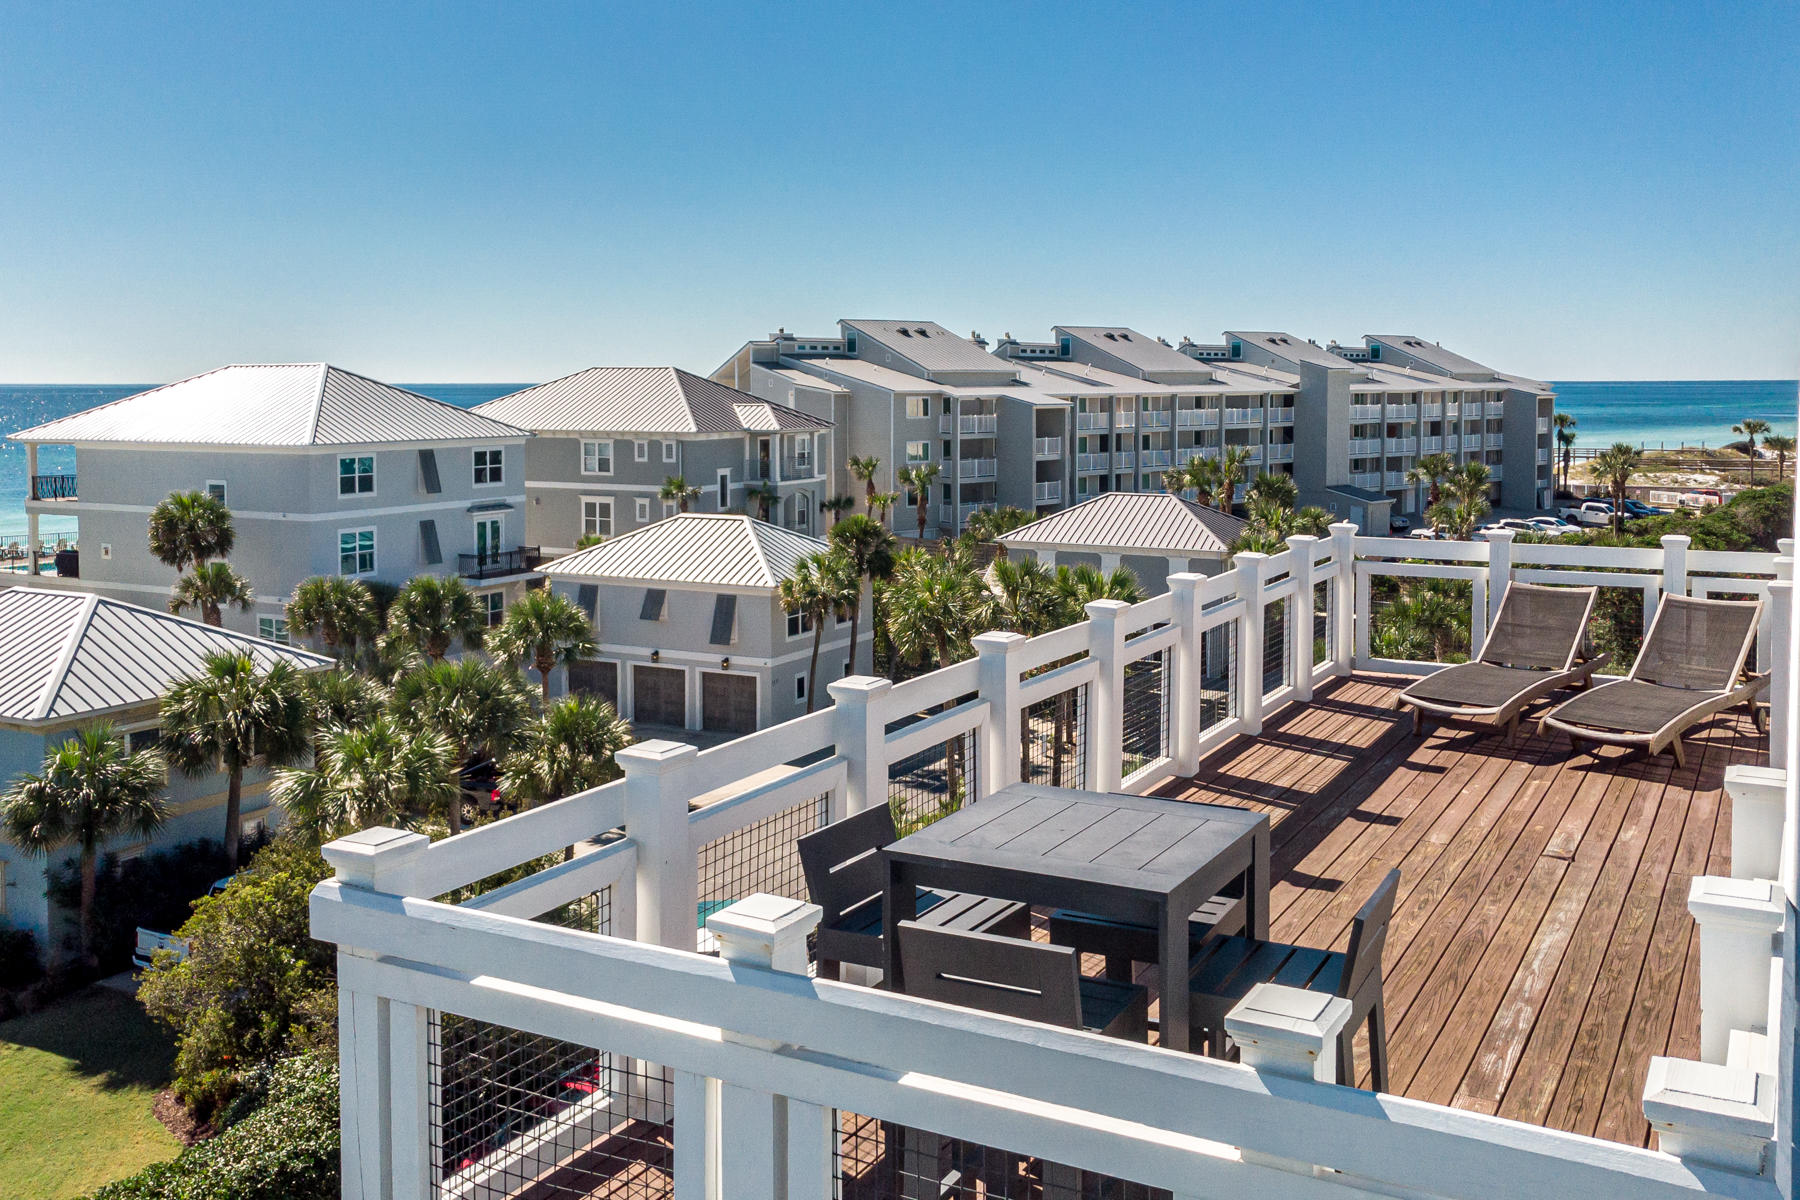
x: 20, y: 966
x: 156, y: 891
x: 284, y: 1149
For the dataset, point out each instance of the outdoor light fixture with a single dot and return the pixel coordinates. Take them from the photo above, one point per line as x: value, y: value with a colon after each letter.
x: 656, y: 656
x: 725, y: 663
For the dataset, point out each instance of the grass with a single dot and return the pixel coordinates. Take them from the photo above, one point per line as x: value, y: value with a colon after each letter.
x: 77, y: 1085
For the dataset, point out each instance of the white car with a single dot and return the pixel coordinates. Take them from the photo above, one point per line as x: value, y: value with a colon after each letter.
x: 1588, y: 512
x: 1426, y: 535
x: 1552, y: 525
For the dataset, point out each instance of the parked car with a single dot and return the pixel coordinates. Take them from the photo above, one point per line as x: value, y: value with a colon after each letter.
x: 149, y: 942
x: 1516, y: 524
x: 1426, y: 534
x: 1588, y: 512
x: 1552, y: 525
x: 1398, y: 524
x: 1637, y: 508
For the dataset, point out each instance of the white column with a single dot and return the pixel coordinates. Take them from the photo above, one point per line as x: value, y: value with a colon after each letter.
x: 1738, y: 920
x: 1346, y: 617
x: 1305, y: 549
x: 1499, y: 578
x: 31, y: 514
x: 1184, y: 688
x: 859, y: 727
x: 1711, y: 1115
x: 1250, y: 568
x: 1003, y: 735
x: 1781, y: 642
x: 1675, y: 549
x: 1758, y: 804
x: 1109, y: 562
x: 656, y: 818
x: 409, y: 1100
x: 1106, y: 729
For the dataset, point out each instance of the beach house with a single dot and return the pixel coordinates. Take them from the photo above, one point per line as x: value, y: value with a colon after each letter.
x: 326, y: 472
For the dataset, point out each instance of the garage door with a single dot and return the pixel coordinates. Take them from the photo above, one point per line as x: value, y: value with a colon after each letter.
x: 728, y: 702
x: 659, y: 696
x: 596, y: 679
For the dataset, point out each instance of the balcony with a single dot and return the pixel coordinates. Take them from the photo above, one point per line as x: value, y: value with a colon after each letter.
x: 1254, y: 454
x: 1198, y: 418
x: 1365, y: 447
x: 53, y: 487
x: 1536, y: 886
x: 1281, y: 452
x: 1150, y: 460
x: 1402, y: 445
x: 497, y: 564
x: 1432, y: 411
x: 1125, y: 419
x: 977, y: 468
x: 1494, y: 409
x: 1155, y: 418
x: 1543, y: 425
x: 1091, y: 420
x: 1239, y: 418
x: 1430, y: 445
x: 1365, y: 412
x: 1093, y: 464
x: 1543, y: 456
x: 1369, y: 481
x: 1395, y: 479
x: 1047, y: 492
x: 797, y: 468
x: 1047, y: 447
x: 1497, y: 471
x: 965, y: 511
x: 1403, y: 412
x: 1281, y: 415
x: 977, y: 424
x: 1122, y: 460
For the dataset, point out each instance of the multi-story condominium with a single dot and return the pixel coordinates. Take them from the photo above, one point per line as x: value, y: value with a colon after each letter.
x: 691, y: 630
x: 325, y: 472
x: 69, y: 659
x: 1371, y: 412
x: 608, y: 438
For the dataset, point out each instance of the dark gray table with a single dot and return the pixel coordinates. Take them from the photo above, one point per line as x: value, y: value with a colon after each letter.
x: 1132, y: 858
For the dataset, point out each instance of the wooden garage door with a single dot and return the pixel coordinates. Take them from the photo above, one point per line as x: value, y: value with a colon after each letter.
x: 728, y: 702
x: 659, y: 696
x: 596, y: 679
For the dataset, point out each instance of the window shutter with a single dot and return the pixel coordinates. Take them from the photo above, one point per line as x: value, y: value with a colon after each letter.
x: 653, y: 605
x: 724, y: 620
x: 428, y: 474
x: 434, y: 554
x: 588, y: 596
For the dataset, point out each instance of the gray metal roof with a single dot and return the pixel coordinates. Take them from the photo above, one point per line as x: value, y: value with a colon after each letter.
x: 1294, y: 349
x: 68, y: 654
x: 273, y: 404
x: 1136, y: 349
x: 644, y: 400
x: 928, y: 344
x: 1025, y: 382
x: 1153, y: 523
x: 699, y: 549
x: 1444, y: 360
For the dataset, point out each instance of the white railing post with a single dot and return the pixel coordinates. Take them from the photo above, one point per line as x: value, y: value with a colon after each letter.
x: 1184, y: 689
x: 1305, y: 549
x: 1499, y: 578
x: 1003, y: 735
x: 1711, y: 1115
x: 1250, y: 567
x: 1290, y: 1032
x: 1738, y: 920
x: 1674, y: 572
x: 1781, y: 641
x: 1758, y: 807
x: 1344, y: 615
x: 859, y: 727
x: 656, y: 818
x: 1106, y: 719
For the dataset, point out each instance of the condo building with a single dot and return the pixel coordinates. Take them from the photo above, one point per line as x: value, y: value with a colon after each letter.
x: 609, y: 438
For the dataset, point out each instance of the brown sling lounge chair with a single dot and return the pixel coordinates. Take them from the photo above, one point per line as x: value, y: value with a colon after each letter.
x: 1535, y: 648
x: 1689, y: 669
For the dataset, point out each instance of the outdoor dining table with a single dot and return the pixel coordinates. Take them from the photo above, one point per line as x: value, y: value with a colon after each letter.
x: 1132, y: 858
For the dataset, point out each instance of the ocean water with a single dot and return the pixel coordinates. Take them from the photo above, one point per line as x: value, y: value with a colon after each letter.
x: 1662, y: 413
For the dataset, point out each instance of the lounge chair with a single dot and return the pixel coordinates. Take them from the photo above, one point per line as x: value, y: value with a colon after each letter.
x: 1690, y: 668
x: 1537, y: 646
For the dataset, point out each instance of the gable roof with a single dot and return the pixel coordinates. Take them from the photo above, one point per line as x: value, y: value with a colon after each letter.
x: 1152, y: 523
x: 1294, y: 349
x: 1140, y: 351
x: 68, y: 654
x: 645, y: 400
x: 1429, y: 352
x: 698, y: 549
x: 930, y: 346
x: 273, y: 404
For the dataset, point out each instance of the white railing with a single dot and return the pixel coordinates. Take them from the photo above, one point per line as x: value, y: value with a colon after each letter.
x: 1050, y: 447
x: 756, y: 1059
x: 1198, y: 418
x: 1089, y: 420
x: 977, y: 424
x: 965, y: 511
x: 1543, y: 456
x: 1093, y: 463
x: 977, y: 468
x: 1281, y: 415
x: 1123, y: 459
x: 1494, y: 409
x: 1367, y: 480
x: 1281, y: 452
x: 1543, y: 425
x: 1403, y: 412
x: 1394, y: 479
x: 1430, y: 445
x: 1255, y: 454
x: 1497, y: 471
x: 1365, y: 412
x: 1239, y: 417
x: 1153, y: 459
x: 1402, y: 445
x: 1432, y: 410
x: 1365, y: 447
x: 1046, y: 492
x: 1155, y: 418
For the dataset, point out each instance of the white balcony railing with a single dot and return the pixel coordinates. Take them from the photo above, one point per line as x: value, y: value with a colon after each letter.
x: 1090, y: 420
x: 1151, y: 460
x: 1122, y: 460
x: 1253, y: 454
x: 1365, y: 447
x: 977, y: 468
x: 1198, y: 418
x: 1237, y: 418
x: 742, y: 1062
x: 1403, y: 412
x: 1365, y: 412
x: 1497, y: 471
x: 1125, y: 419
x: 1281, y: 452
x: 1368, y: 480
x: 1154, y: 418
x: 965, y: 511
x: 1430, y: 445
x: 1494, y: 409
x: 1047, y: 447
x: 1093, y: 463
x: 1402, y: 445
x: 1395, y: 479
x: 1432, y: 410
x: 977, y: 424
x: 1281, y: 415
x: 1543, y: 456
x: 1047, y: 491
x: 1543, y: 425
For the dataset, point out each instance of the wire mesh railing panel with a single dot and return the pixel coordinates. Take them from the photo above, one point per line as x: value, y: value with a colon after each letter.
x: 1324, y: 630
x: 1218, y: 674
x: 590, y: 914
x: 877, y: 1160
x: 761, y: 857
x: 933, y: 783
x: 1144, y: 721
x: 1420, y: 620
x: 1277, y: 634
x: 1054, y: 739
x: 516, y: 1113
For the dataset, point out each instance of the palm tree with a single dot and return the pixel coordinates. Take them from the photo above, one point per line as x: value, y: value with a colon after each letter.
x: 542, y: 631
x: 91, y: 788
x: 989, y: 524
x: 342, y: 699
x: 1272, y: 523
x: 1464, y: 500
x: 1232, y: 465
x: 430, y: 614
x: 676, y: 490
x: 1207, y: 478
x: 1270, y: 486
x: 936, y: 604
x: 189, y: 528
x: 765, y: 494
x: 884, y: 506
x: 869, y: 549
x: 228, y: 717
x: 339, y: 610
x: 1082, y: 585
x: 1026, y: 599
x: 863, y: 467
x: 479, y: 708
x: 920, y: 478
x: 1565, y: 442
x: 1615, y: 465
x: 837, y: 506
x: 1175, y: 480
x: 1783, y: 446
x: 820, y: 585
x: 1431, y: 470
x: 568, y: 748
x: 377, y: 772
x: 209, y: 587
x: 1751, y: 428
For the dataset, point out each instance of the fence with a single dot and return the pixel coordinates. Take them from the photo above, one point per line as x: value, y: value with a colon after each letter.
x: 560, y: 1029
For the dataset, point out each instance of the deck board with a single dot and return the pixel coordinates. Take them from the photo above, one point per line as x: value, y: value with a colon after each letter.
x: 1541, y: 950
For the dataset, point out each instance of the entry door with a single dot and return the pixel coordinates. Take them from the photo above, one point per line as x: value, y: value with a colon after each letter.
x: 762, y: 459
x: 659, y: 696
x: 487, y: 538
x: 728, y: 702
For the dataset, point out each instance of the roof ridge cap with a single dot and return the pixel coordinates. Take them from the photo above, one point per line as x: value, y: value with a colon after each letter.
x: 60, y: 668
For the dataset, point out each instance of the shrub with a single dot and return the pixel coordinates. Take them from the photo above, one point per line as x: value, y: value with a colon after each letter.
x: 20, y: 966
x: 284, y: 1149
x: 156, y: 891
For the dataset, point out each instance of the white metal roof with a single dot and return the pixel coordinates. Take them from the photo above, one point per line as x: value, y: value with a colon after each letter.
x: 68, y: 654
x: 1151, y: 523
x: 644, y: 400
x: 698, y: 549
x: 273, y: 404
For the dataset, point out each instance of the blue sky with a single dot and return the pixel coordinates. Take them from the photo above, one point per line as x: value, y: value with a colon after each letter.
x: 510, y: 192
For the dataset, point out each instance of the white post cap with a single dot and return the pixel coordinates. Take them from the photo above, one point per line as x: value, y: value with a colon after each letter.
x: 1289, y: 1031
x: 765, y: 931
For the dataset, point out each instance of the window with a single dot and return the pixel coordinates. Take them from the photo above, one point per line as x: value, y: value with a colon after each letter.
x: 918, y: 407
x: 724, y: 622
x: 356, y: 552
x: 918, y: 452
x: 799, y: 624
x: 1066, y: 345
x: 216, y: 489
x: 850, y: 343
x: 596, y: 458
x: 488, y: 468
x: 643, y: 510
x: 668, y: 452
x: 724, y: 490
x: 654, y: 601
x: 493, y: 606
x: 640, y: 451
x: 428, y: 472
x: 669, y: 508
x: 1237, y: 348
x: 800, y: 689
x: 596, y: 517
x: 356, y: 476
x: 147, y: 739
x: 273, y: 629
x: 948, y: 452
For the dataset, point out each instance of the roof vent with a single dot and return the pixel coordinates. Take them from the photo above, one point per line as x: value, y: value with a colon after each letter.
x: 1124, y: 337
x: 1162, y: 339
x: 905, y: 333
x: 925, y: 333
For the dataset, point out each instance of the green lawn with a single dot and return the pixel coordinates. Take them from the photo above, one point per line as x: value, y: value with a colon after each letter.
x: 77, y: 1082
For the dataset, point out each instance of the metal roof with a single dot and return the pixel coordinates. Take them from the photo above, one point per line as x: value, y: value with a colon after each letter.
x: 1417, y: 347
x: 273, y: 404
x: 644, y: 400
x: 1021, y: 382
x: 699, y: 549
x: 69, y: 654
x: 1136, y: 349
x: 929, y: 345
x: 1293, y: 349
x: 1153, y: 523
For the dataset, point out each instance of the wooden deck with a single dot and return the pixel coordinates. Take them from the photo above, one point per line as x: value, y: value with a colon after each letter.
x: 1541, y: 950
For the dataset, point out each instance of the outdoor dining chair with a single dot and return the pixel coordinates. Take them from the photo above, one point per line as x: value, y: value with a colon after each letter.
x: 847, y: 877
x: 1123, y: 943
